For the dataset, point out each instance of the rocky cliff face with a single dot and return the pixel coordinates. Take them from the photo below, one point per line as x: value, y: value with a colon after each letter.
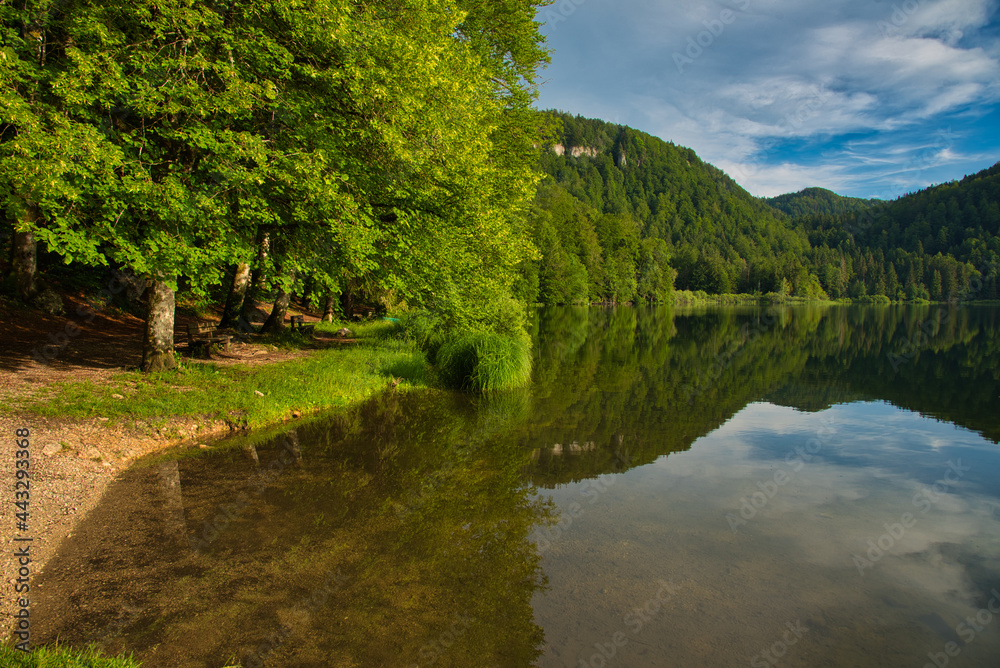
x: 575, y: 151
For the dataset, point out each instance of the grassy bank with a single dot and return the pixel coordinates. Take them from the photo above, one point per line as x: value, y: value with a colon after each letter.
x: 251, y: 395
x: 688, y: 297
x: 60, y: 657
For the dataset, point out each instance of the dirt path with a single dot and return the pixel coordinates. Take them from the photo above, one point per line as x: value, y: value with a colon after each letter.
x: 73, y: 461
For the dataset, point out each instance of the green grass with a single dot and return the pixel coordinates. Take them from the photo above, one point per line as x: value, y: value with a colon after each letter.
x: 328, y: 378
x: 370, y: 330
x: 61, y: 657
x: 485, y: 362
x: 334, y: 377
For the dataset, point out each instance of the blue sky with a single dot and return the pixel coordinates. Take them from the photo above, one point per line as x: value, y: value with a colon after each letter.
x: 869, y: 98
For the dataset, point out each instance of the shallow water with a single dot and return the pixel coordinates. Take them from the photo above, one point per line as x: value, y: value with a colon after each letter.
x: 704, y: 487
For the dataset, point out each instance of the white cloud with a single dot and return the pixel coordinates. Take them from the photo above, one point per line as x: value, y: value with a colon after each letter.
x: 771, y: 180
x: 787, y: 71
x: 947, y: 18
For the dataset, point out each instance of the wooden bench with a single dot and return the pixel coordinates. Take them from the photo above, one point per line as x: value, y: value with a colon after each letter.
x: 203, y: 335
x: 298, y: 325
x: 362, y: 312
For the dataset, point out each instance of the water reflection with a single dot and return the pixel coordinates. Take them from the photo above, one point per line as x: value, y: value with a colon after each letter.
x: 641, y: 383
x: 796, y: 475
x: 826, y: 544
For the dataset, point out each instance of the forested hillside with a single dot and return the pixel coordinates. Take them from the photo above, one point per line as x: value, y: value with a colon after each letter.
x: 618, y: 220
x: 936, y: 243
x: 257, y: 151
x: 642, y: 202
x: 819, y: 201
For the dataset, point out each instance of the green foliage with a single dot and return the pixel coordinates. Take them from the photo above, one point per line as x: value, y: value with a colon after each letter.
x: 872, y: 299
x: 426, y: 329
x: 485, y: 362
x: 655, y: 282
x: 388, y: 146
x: 384, y: 329
x: 563, y: 278
x: 689, y: 297
x: 941, y: 243
x: 61, y: 657
x: 934, y: 244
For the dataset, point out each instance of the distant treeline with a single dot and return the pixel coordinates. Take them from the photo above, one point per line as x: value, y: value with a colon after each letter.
x: 937, y: 243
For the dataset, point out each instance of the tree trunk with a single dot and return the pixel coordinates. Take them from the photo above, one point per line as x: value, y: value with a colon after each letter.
x: 8, y: 236
x: 158, y: 344
x: 276, y: 321
x: 237, y: 294
x: 259, y: 278
x: 328, y: 308
x: 307, y: 291
x: 25, y: 261
x: 346, y: 302
x: 249, y: 307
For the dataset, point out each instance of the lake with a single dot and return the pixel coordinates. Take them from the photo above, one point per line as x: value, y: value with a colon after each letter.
x: 717, y: 486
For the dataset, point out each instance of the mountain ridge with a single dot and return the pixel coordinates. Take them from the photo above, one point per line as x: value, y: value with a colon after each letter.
x: 619, y: 206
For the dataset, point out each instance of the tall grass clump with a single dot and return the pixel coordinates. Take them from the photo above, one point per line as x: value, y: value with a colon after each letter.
x: 485, y: 362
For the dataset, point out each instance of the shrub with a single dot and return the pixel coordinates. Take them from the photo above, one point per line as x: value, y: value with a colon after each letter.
x: 426, y: 329
x: 49, y: 301
x: 873, y: 299
x: 772, y: 298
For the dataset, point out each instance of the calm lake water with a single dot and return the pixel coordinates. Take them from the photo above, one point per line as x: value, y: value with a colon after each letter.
x: 815, y: 486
